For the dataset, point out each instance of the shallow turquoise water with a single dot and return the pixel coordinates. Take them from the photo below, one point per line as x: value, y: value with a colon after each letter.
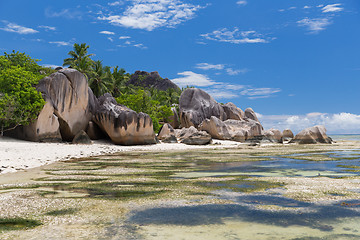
x: 247, y: 218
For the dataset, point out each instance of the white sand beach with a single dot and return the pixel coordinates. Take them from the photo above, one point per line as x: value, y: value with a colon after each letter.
x: 18, y: 155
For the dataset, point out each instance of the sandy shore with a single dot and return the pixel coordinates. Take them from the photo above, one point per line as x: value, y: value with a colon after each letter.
x: 18, y: 155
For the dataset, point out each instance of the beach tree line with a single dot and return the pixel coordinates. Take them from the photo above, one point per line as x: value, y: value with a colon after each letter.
x: 20, y: 102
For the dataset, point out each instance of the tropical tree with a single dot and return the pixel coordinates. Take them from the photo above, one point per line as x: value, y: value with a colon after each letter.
x: 20, y: 102
x: 80, y: 59
x: 119, y: 81
x: 101, y: 79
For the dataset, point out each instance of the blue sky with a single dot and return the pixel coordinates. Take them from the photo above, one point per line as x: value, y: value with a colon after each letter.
x: 296, y: 63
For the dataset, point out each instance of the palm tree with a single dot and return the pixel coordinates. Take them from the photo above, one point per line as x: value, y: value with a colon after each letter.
x: 119, y: 81
x: 101, y: 80
x: 80, y: 59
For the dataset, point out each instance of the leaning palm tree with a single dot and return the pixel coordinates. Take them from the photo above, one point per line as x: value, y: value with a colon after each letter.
x: 100, y: 80
x: 80, y: 59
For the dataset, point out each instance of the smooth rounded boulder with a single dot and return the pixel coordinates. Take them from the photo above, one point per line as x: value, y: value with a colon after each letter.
x: 312, y: 135
x: 68, y: 92
x: 288, y: 135
x: 274, y: 135
x: 123, y: 125
x: 196, y: 105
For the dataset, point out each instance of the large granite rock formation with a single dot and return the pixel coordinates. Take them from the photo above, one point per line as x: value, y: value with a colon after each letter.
x: 153, y: 79
x: 196, y: 106
x: 68, y: 92
x: 237, y: 130
x: 316, y: 134
x: 233, y: 112
x: 123, y: 125
x: 66, y: 111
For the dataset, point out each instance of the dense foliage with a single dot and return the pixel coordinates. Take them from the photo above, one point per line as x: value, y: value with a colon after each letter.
x: 20, y: 102
x: 113, y: 80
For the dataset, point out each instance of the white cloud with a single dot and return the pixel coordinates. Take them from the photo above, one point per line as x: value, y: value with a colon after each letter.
x: 193, y: 79
x: 65, y: 13
x: 340, y: 123
x: 233, y: 72
x: 307, y: 7
x: 208, y: 66
x: 332, y: 8
x: 15, y: 28
x: 61, y: 43
x: 315, y: 25
x: 152, y: 14
x: 221, y: 94
x: 140, y: 45
x: 255, y: 93
x: 235, y: 36
x: 117, y: 3
x: 51, y: 66
x: 107, y: 33
x: 124, y: 37
x: 110, y: 39
x: 241, y: 3
x: 48, y: 28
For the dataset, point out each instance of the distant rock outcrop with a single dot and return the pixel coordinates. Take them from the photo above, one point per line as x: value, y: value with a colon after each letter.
x: 153, y: 79
x: 196, y: 106
x: 316, y: 134
x: 123, y: 125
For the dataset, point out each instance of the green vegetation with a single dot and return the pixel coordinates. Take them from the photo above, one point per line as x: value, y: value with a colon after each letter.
x: 20, y: 102
x: 7, y: 224
x: 62, y: 212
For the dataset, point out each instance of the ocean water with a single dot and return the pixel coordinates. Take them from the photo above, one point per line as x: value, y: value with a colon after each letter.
x: 348, y: 137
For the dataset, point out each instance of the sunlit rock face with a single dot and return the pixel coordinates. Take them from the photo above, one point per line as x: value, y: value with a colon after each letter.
x: 68, y: 92
x: 166, y: 131
x: 45, y: 128
x: 249, y: 113
x: 288, y: 135
x: 174, y: 118
x: 237, y: 130
x: 123, y: 125
x: 196, y: 106
x: 233, y: 112
x: 274, y: 135
x: 316, y: 134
